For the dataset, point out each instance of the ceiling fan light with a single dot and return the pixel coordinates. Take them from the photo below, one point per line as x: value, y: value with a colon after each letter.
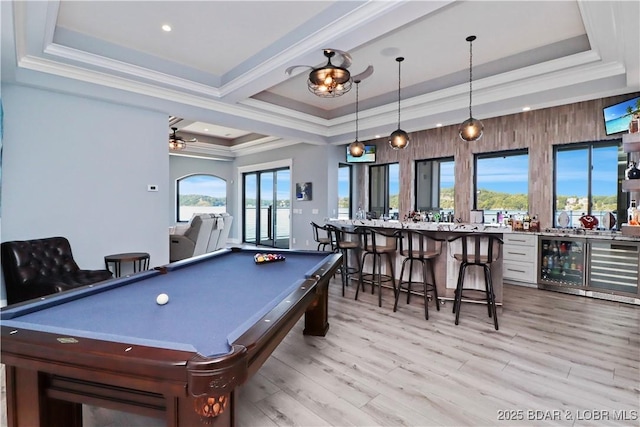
x: 175, y: 142
x: 329, y: 81
x: 329, y: 91
x: 398, y: 139
x: 471, y: 130
x: 177, y: 145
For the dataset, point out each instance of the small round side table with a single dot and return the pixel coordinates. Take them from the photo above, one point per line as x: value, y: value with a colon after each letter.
x: 140, y: 261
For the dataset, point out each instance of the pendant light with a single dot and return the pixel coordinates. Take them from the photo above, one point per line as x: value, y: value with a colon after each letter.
x: 471, y: 129
x: 399, y: 139
x: 356, y: 148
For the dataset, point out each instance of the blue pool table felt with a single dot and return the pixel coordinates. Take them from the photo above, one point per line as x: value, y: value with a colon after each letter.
x: 211, y: 303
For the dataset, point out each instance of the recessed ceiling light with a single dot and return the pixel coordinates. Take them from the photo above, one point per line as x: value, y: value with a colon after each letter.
x: 377, y: 136
x: 166, y: 27
x: 438, y: 125
x: 206, y: 129
x: 526, y: 108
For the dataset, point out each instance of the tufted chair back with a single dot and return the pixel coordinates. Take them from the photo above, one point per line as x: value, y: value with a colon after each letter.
x: 38, y: 267
x: 40, y: 257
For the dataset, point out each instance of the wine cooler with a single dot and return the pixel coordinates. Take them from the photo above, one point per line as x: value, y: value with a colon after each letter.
x: 594, y: 267
x: 562, y: 261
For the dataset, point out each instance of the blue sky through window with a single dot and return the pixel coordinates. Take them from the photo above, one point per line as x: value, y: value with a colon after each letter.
x: 509, y: 174
x: 206, y: 185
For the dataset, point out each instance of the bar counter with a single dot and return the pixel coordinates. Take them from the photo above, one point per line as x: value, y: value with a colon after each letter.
x: 445, y: 266
x: 603, y: 243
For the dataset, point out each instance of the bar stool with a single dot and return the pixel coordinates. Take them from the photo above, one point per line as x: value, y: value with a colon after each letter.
x: 417, y: 246
x: 378, y: 242
x: 479, y: 249
x: 346, y: 241
x: 323, y: 239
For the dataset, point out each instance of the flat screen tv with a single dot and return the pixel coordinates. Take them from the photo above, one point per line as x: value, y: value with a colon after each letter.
x: 369, y: 155
x: 618, y: 116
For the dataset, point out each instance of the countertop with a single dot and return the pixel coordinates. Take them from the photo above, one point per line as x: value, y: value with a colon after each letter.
x: 486, y: 228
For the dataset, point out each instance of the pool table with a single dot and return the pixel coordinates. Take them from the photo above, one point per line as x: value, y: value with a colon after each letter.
x: 112, y: 345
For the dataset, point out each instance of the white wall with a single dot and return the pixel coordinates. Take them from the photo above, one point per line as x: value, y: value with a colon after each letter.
x: 79, y: 168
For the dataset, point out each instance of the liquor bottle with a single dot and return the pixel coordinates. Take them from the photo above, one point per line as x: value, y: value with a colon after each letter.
x: 631, y: 211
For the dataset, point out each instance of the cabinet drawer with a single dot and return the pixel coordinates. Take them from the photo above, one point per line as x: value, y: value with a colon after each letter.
x: 520, y: 239
x: 520, y: 271
x: 520, y: 253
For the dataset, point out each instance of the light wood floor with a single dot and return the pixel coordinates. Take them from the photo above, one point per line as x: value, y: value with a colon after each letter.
x: 573, y: 359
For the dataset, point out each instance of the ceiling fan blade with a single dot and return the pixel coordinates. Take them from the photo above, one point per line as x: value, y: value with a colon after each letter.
x: 346, y: 58
x: 363, y: 75
x: 293, y: 67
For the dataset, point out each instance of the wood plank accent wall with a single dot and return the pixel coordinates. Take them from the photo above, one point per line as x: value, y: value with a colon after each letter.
x: 538, y: 131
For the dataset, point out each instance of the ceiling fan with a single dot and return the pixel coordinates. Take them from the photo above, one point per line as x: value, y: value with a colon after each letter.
x: 330, y: 81
x: 177, y: 142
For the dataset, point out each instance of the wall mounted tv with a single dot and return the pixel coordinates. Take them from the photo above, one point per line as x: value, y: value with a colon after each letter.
x: 369, y: 155
x: 618, y: 116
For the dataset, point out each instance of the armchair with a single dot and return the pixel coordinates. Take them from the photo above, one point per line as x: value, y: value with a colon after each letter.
x: 39, y: 267
x: 194, y: 241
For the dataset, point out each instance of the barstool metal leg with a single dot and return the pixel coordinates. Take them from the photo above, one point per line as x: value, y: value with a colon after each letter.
x: 433, y: 283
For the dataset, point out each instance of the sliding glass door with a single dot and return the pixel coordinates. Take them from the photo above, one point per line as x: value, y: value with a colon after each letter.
x: 267, y: 202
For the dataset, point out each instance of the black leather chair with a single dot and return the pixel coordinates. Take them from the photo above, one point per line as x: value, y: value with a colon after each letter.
x: 39, y: 267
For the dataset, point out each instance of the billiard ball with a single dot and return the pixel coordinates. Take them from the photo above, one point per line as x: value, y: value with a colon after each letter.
x: 162, y: 299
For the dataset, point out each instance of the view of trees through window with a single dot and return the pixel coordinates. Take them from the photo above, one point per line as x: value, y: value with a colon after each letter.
x: 200, y: 194
x: 586, y: 180
x: 502, y: 184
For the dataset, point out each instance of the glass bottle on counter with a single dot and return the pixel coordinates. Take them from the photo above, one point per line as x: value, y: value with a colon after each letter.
x: 632, y: 212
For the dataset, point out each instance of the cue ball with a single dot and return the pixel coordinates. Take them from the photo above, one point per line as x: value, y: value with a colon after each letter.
x: 162, y: 299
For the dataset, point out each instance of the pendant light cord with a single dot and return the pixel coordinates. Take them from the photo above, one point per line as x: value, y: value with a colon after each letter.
x: 470, y: 73
x: 357, y: 89
x: 399, y: 62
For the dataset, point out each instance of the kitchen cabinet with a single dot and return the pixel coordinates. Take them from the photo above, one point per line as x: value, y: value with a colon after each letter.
x: 520, y: 258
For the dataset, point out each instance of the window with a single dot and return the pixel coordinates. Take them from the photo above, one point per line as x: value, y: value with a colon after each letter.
x: 586, y: 181
x: 384, y: 190
x: 435, y: 183
x: 344, y: 191
x: 200, y: 194
x: 502, y: 184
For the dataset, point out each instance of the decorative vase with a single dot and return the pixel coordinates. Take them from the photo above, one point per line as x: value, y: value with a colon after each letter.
x: 634, y: 172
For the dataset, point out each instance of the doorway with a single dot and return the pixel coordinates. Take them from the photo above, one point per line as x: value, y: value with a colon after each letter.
x: 266, y: 206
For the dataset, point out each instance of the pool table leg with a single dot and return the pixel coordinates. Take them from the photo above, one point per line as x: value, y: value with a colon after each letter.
x: 28, y: 404
x: 316, y: 317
